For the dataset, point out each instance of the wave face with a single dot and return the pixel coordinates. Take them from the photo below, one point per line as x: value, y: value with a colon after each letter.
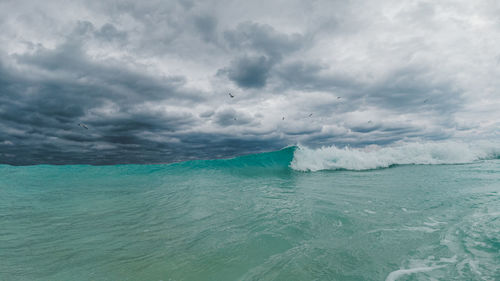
x: 449, y: 152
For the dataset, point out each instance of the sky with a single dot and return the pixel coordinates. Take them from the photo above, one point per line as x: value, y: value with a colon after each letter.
x: 150, y: 79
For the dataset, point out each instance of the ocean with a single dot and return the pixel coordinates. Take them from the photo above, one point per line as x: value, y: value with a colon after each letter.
x: 414, y: 211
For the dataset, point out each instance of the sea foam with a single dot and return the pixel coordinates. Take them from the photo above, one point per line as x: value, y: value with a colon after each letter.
x: 374, y: 157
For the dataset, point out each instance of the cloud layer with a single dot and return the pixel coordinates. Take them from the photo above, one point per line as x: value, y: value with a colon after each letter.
x: 150, y: 79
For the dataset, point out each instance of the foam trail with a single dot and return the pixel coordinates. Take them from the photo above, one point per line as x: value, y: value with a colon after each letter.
x: 449, y: 152
x: 398, y: 273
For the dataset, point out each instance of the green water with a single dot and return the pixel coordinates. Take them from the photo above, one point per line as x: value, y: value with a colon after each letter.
x: 227, y: 220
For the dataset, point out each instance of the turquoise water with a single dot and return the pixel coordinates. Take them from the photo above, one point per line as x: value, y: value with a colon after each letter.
x: 260, y: 217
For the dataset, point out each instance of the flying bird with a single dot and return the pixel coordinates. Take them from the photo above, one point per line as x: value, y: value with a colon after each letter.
x: 83, y: 126
x: 283, y: 118
x: 426, y: 100
x: 230, y: 95
x: 339, y: 98
x: 310, y: 115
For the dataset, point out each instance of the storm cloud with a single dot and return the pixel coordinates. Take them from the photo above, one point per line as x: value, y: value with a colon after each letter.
x: 151, y: 79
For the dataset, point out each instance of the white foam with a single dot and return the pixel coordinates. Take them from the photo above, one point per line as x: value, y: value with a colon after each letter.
x: 434, y: 222
x: 401, y: 272
x: 449, y: 152
x: 407, y: 228
x: 421, y: 228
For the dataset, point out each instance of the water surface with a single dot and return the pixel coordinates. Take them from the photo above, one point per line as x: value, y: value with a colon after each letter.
x: 250, y: 218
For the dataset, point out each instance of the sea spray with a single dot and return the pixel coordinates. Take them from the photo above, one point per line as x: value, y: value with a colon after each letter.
x: 373, y: 157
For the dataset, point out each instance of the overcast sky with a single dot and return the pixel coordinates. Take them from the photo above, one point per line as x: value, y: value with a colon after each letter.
x: 150, y: 79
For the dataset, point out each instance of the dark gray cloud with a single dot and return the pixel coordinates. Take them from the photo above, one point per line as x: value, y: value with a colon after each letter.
x: 262, y: 47
x: 311, y: 76
x: 229, y: 116
x: 249, y: 72
x: 40, y: 111
x: 415, y: 89
x: 250, y: 36
x: 150, y: 79
x: 109, y: 32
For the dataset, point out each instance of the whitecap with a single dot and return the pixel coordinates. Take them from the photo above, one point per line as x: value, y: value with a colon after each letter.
x: 428, y: 153
x: 401, y: 272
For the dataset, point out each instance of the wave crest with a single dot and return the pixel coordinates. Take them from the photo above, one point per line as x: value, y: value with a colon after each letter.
x: 374, y: 157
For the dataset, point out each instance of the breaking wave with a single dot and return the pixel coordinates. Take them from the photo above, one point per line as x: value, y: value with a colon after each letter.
x: 301, y: 158
x: 375, y: 157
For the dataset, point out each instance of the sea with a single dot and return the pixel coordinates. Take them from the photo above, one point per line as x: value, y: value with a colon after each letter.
x: 411, y: 211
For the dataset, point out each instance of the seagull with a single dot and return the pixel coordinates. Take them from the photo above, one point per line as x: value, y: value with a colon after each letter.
x: 230, y: 95
x: 339, y: 98
x: 426, y: 100
x: 310, y: 115
x: 369, y: 121
x: 283, y: 118
x: 83, y: 126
